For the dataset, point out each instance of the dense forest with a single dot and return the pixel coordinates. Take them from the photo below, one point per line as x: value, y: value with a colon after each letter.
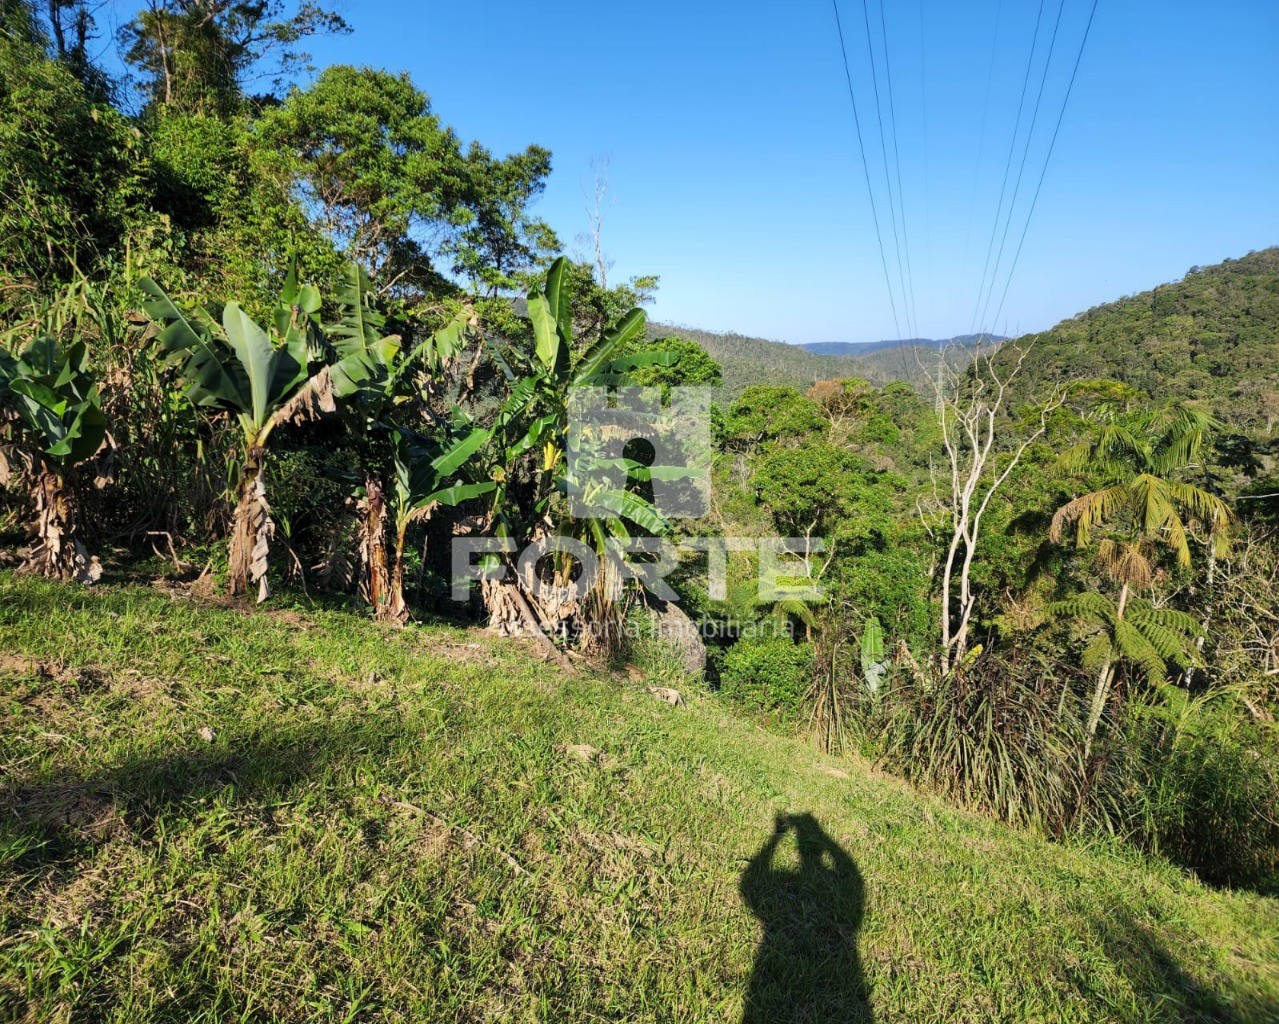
x: 302, y: 340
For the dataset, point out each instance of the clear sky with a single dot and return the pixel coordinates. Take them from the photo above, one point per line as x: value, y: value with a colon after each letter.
x: 734, y: 171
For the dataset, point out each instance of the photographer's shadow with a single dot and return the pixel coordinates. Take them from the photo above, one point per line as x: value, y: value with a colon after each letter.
x: 807, y: 967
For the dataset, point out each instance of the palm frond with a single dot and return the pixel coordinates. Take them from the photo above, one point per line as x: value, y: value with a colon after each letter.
x: 1090, y: 606
x: 1133, y: 645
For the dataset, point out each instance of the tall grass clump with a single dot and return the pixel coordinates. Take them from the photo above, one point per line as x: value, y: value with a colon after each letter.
x: 1187, y: 779
x: 1206, y: 792
x: 998, y: 736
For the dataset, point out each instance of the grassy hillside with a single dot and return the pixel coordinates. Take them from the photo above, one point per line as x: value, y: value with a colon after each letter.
x: 1212, y: 336
x: 212, y: 815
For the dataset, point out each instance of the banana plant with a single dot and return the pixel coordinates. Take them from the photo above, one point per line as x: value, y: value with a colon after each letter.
x: 51, y: 421
x: 373, y: 377
x: 529, y: 458
x: 260, y: 377
x: 428, y: 475
x: 874, y: 667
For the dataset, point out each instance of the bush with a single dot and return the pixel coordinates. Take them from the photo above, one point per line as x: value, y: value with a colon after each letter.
x: 1208, y: 796
x: 1005, y: 737
x: 1191, y: 780
x: 768, y: 673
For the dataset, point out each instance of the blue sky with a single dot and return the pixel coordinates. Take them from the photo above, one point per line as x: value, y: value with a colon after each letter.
x: 734, y: 172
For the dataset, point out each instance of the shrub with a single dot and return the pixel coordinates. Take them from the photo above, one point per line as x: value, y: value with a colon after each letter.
x: 1208, y: 796
x: 768, y: 673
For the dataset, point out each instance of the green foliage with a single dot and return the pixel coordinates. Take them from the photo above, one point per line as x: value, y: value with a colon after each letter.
x: 1208, y: 793
x: 1149, y: 638
x: 767, y: 413
x: 1002, y: 737
x: 194, y: 55
x: 820, y: 489
x: 73, y: 172
x: 380, y: 171
x: 768, y: 673
x: 233, y: 217
x: 55, y: 401
x: 535, y: 416
x: 1208, y: 338
x: 691, y: 366
x: 871, y: 647
x: 1138, y: 457
x: 239, y: 368
x: 427, y: 475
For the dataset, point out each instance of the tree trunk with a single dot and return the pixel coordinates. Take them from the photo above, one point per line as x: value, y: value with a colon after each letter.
x: 1100, y: 694
x: 1104, y: 678
x: 510, y: 614
x: 377, y: 582
x: 55, y: 550
x: 505, y: 615
x: 395, y: 609
x: 251, y: 530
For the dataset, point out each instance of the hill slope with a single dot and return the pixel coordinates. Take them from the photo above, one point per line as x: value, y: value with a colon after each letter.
x: 1212, y: 336
x: 207, y: 814
x: 748, y: 361
x: 861, y: 348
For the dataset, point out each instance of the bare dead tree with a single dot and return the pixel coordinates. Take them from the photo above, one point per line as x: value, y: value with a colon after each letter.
x: 596, y: 206
x: 981, y: 456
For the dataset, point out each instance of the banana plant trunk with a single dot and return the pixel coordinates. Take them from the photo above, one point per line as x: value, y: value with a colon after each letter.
x: 396, y: 610
x: 505, y: 615
x: 251, y: 530
x: 56, y: 551
x: 377, y: 580
x: 1104, y: 679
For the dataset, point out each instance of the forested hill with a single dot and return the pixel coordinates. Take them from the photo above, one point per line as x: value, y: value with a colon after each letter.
x: 861, y: 348
x: 748, y: 361
x: 1213, y: 336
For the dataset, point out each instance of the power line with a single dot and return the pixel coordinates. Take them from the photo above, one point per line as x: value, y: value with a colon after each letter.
x: 883, y: 149
x: 923, y: 102
x: 1008, y: 166
x: 861, y: 145
x: 897, y: 163
x: 1021, y: 170
x: 985, y: 112
x: 1051, y: 145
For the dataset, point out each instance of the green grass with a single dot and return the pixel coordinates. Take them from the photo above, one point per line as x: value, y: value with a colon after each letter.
x: 407, y: 826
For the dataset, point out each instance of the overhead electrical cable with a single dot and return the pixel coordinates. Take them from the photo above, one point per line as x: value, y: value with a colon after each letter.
x: 923, y: 104
x: 883, y: 149
x: 1008, y: 166
x: 985, y: 115
x: 1021, y: 170
x: 861, y: 145
x: 1074, y: 72
x: 897, y: 166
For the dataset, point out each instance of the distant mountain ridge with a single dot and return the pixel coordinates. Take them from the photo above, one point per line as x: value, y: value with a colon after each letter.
x: 1211, y: 337
x: 748, y: 361
x: 861, y: 348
